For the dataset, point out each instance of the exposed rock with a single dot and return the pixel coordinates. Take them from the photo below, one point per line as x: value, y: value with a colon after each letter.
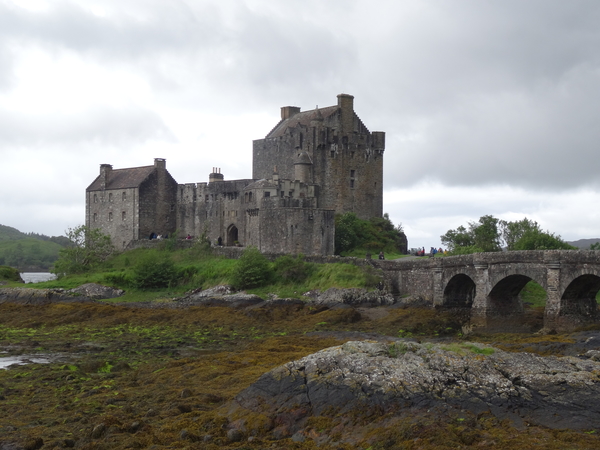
x: 84, y: 293
x: 362, y: 378
x: 30, y: 296
x: 219, y: 296
x: 353, y: 297
x: 96, y: 291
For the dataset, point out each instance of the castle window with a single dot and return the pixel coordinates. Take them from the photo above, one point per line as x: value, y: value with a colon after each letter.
x: 123, y: 215
x: 110, y: 217
x: 95, y: 217
x: 352, y: 172
x: 95, y: 198
x: 110, y: 199
x: 249, y: 196
x: 282, y: 194
x: 206, y: 198
x: 332, y: 153
x: 172, y: 207
x: 352, y: 184
x: 124, y: 196
x: 267, y: 193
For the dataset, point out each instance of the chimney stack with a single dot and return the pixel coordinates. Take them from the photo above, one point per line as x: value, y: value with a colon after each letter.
x: 289, y: 111
x: 105, y: 170
x: 216, y: 175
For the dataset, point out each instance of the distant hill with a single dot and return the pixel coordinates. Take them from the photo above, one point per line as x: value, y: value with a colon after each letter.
x: 10, y: 233
x: 29, y: 251
x: 583, y: 244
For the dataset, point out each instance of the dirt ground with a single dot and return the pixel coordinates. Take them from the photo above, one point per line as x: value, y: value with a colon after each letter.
x: 128, y: 377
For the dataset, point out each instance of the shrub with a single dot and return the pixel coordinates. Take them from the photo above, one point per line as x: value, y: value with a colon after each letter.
x: 118, y: 279
x: 9, y: 274
x: 154, y: 271
x: 253, y: 269
x: 290, y: 269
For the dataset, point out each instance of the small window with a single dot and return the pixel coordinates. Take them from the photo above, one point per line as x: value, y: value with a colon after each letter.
x: 110, y: 199
x: 352, y: 184
x: 206, y: 198
x: 267, y: 193
x: 110, y: 217
x: 352, y: 172
x: 124, y: 196
x: 282, y: 194
x: 123, y: 215
x: 172, y: 207
x: 95, y: 198
x: 333, y: 153
x: 95, y: 217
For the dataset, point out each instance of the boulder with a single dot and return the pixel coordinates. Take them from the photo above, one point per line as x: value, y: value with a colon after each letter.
x: 371, y: 379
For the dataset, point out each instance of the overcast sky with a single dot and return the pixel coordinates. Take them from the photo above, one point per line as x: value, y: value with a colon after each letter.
x: 489, y: 107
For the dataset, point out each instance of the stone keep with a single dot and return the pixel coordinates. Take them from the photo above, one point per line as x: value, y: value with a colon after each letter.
x: 311, y: 166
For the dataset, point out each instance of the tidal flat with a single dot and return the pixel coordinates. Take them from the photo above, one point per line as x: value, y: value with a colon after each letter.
x: 160, y: 377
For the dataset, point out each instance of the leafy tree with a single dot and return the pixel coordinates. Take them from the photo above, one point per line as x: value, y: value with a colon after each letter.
x: 482, y: 236
x: 89, y: 247
x: 347, y: 232
x: 541, y: 240
x: 489, y: 233
x: 375, y: 234
x: 253, y: 269
x: 595, y: 246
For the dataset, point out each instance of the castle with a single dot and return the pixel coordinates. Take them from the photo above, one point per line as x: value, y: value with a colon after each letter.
x: 311, y: 166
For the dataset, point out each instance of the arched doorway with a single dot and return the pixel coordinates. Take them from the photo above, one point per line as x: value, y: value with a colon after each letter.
x: 232, y: 235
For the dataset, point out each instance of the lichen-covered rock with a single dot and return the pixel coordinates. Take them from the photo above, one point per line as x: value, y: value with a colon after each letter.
x: 219, y: 296
x: 353, y: 297
x: 364, y: 378
x: 96, y: 291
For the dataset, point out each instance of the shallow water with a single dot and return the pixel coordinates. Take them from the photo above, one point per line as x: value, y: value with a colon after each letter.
x: 37, y: 277
x: 7, y: 361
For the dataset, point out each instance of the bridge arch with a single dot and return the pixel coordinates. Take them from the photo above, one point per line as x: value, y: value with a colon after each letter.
x: 504, y: 298
x: 579, y: 297
x: 459, y: 291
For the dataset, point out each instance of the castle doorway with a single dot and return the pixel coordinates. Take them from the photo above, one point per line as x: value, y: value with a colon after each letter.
x: 232, y: 235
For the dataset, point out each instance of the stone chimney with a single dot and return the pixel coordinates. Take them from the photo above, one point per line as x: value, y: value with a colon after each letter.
x: 105, y: 171
x: 216, y: 175
x: 346, y: 104
x: 160, y: 163
x: 289, y: 111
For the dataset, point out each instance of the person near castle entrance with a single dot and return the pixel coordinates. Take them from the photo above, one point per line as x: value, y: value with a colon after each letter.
x: 219, y: 241
x: 381, y: 256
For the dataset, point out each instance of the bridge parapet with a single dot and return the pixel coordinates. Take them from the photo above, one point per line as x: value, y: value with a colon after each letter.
x: 491, y: 283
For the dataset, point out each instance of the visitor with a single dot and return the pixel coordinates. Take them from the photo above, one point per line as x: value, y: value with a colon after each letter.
x: 381, y: 256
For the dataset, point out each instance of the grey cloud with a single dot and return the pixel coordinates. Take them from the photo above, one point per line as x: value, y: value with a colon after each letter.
x: 103, y: 126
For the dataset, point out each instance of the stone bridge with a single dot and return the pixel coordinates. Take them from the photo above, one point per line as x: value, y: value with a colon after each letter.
x: 489, y: 284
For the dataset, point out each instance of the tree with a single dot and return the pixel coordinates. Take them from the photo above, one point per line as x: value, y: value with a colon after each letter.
x: 489, y: 234
x: 513, y: 231
x: 595, y: 246
x: 374, y: 235
x: 482, y: 236
x: 88, y: 248
x: 541, y: 240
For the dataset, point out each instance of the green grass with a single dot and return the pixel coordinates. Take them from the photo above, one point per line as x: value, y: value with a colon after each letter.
x: 205, y: 270
x: 533, y: 294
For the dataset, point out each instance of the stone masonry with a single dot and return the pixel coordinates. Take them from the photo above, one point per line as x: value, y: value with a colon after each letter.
x: 311, y: 166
